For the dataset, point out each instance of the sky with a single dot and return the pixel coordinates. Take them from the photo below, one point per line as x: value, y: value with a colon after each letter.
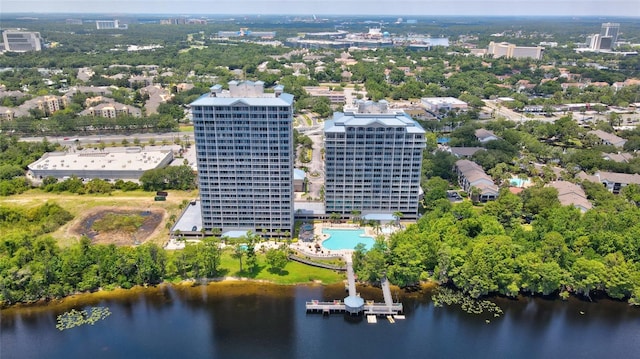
x: 629, y: 8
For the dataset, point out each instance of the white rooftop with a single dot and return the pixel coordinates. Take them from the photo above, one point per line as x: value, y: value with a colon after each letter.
x: 206, y: 100
x: 299, y: 174
x: 130, y: 158
x: 442, y: 100
x: 246, y: 92
x: 368, y: 115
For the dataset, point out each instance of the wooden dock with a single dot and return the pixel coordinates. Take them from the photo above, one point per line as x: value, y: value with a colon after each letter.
x: 351, y: 276
x: 369, y: 308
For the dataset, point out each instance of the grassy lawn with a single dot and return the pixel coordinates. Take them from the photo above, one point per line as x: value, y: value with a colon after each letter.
x: 78, y: 205
x: 293, y: 272
x: 186, y: 129
x: 307, y: 120
x: 296, y: 272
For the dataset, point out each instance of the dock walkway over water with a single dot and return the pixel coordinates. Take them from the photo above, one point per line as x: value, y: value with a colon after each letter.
x: 353, y: 304
x: 351, y: 276
x: 316, y: 264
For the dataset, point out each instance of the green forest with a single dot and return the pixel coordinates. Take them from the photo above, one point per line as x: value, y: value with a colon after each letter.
x: 33, y: 266
x: 519, y: 244
x: 492, y: 250
x: 481, y: 250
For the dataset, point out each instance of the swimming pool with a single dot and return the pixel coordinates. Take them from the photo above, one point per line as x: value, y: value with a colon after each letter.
x: 346, y: 239
x: 519, y: 182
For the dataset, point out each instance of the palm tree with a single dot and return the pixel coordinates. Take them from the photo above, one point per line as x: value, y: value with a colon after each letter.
x: 475, y: 194
x: 335, y: 217
x: 523, y: 177
x: 238, y: 253
x: 376, y: 226
x: 355, y: 215
x: 397, y: 215
x: 548, y: 174
x: 287, y: 236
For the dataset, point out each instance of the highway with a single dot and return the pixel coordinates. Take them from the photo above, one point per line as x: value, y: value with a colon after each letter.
x: 498, y: 110
x: 171, y: 137
x: 631, y: 119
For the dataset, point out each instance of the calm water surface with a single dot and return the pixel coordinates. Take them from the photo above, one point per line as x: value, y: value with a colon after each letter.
x: 246, y: 320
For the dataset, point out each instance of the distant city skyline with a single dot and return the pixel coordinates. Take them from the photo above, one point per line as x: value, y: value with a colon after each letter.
x: 405, y: 8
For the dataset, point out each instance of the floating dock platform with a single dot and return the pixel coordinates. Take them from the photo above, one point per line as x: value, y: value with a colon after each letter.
x: 353, y: 304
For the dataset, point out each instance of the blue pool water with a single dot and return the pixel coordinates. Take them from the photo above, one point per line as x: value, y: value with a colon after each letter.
x: 518, y: 182
x: 346, y: 239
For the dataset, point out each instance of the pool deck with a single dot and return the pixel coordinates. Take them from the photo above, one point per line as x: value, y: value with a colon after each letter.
x: 309, y: 248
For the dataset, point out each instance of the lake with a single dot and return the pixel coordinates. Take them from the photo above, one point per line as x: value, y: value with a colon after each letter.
x: 250, y: 320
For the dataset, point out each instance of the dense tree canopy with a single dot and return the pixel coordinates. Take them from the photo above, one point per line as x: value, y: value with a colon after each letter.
x: 171, y: 177
x: 491, y: 250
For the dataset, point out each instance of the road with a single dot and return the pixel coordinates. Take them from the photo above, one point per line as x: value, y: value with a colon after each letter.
x: 315, y: 132
x: 629, y: 120
x: 171, y: 137
x: 491, y: 106
x: 316, y: 166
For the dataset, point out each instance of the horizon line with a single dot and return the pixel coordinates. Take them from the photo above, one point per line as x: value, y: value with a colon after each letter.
x: 407, y: 16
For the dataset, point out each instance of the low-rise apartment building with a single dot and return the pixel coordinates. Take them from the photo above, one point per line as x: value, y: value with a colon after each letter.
x: 471, y: 175
x: 613, y: 181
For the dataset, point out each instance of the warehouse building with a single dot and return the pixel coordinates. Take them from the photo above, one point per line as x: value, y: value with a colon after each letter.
x: 121, y: 163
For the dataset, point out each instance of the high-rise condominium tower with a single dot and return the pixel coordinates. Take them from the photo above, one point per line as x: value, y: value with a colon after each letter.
x: 244, y: 144
x: 373, y: 161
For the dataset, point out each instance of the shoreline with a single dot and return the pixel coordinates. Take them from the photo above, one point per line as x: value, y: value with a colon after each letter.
x: 101, y: 294
x: 89, y: 298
